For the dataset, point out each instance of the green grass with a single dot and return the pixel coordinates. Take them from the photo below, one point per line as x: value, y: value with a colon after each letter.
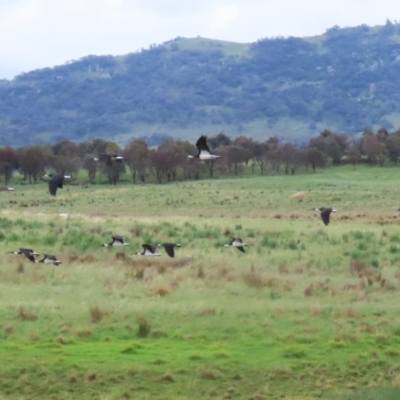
x: 308, y: 312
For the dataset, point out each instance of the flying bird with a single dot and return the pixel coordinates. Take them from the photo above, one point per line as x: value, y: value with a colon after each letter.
x: 56, y: 182
x: 238, y: 243
x: 325, y: 213
x: 117, y: 240
x: 204, y: 151
x: 149, y: 250
x: 169, y: 248
x: 28, y: 253
x: 49, y: 259
x: 108, y: 159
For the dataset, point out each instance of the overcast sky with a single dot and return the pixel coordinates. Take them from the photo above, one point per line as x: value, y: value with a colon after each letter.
x: 44, y: 33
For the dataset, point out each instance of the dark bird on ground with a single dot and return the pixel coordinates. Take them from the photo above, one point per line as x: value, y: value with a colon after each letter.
x: 325, y: 213
x: 238, y: 243
x: 56, y: 182
x: 204, y: 151
x: 169, y: 248
x: 49, y: 259
x: 5, y: 188
x: 149, y: 250
x: 28, y: 253
x: 108, y: 159
x: 117, y: 240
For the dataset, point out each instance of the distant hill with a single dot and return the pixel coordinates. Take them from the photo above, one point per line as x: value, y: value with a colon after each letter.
x: 344, y: 80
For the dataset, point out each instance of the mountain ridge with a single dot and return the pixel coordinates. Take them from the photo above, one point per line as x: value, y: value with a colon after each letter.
x: 344, y: 80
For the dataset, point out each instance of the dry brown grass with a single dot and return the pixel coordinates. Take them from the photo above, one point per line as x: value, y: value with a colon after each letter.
x: 309, y: 290
x: 24, y: 315
x: 83, y: 333
x: 120, y: 255
x: 162, y: 290
x: 167, y: 378
x: 200, y: 272
x: 143, y: 327
x: 283, y: 269
x: 253, y: 279
x: 91, y: 376
x: 207, y: 374
x: 315, y: 311
x: 136, y: 231
x: 97, y: 314
x: 87, y: 258
x: 350, y: 313
x: 9, y: 330
x: 206, y: 311
x: 20, y: 267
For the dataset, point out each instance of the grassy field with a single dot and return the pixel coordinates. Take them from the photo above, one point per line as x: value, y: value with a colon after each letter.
x: 308, y: 312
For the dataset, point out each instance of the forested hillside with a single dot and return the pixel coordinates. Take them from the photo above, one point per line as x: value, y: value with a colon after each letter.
x: 344, y: 80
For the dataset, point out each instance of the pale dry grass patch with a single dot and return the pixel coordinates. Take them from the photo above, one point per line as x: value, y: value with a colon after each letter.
x: 315, y: 311
x: 299, y: 196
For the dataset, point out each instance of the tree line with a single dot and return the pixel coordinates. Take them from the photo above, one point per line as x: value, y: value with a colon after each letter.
x: 169, y: 162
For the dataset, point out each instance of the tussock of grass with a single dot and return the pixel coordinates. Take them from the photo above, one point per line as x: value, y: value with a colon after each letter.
x: 25, y: 315
x: 254, y: 279
x: 83, y: 333
x: 162, y: 290
x: 143, y: 327
x: 97, y: 314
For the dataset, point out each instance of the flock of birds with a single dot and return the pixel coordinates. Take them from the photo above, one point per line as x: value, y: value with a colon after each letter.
x: 118, y: 240
x: 56, y: 181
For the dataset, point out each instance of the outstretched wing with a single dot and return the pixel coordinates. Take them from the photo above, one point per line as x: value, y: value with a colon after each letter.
x: 28, y: 255
x: 149, y: 247
x: 241, y: 248
x: 117, y: 238
x: 169, y: 248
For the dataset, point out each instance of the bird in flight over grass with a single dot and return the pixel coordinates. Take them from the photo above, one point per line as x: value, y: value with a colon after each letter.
x: 56, y: 182
x: 325, y: 213
x: 28, y: 253
x: 49, y: 259
x: 149, y: 250
x: 204, y: 152
x: 238, y: 243
x: 117, y: 240
x: 169, y: 248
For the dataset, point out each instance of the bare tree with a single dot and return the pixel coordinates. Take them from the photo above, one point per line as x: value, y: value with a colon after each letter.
x: 236, y: 157
x: 137, y: 158
x: 373, y: 148
x: 90, y: 165
x: 353, y: 156
x: 160, y: 164
x: 8, y: 162
x: 315, y: 157
x: 259, y: 156
x: 32, y: 161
